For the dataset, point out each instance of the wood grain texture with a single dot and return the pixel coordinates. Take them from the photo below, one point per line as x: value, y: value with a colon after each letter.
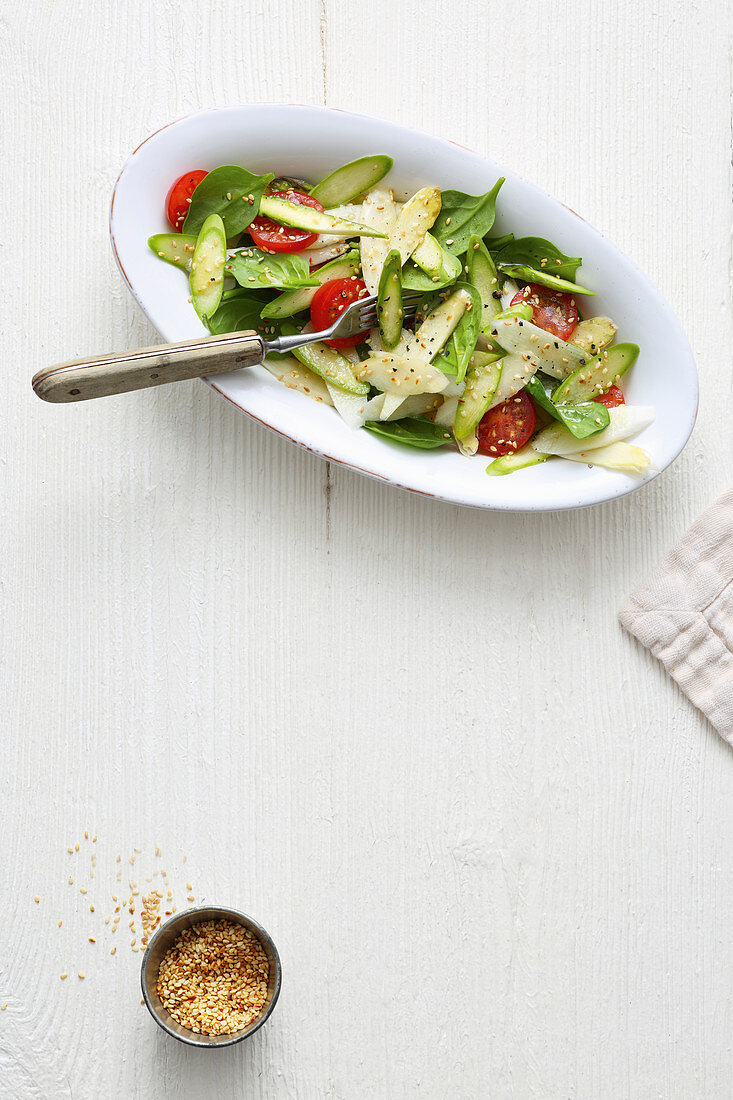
x: 143, y: 368
x: 488, y: 834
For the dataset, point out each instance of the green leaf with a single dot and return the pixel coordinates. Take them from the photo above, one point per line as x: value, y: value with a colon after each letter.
x: 413, y: 431
x: 463, y: 216
x: 461, y: 344
x: 544, y: 278
x: 414, y: 278
x: 581, y: 420
x: 240, y: 310
x: 537, y: 253
x: 227, y: 191
x: 253, y: 268
x: 494, y: 244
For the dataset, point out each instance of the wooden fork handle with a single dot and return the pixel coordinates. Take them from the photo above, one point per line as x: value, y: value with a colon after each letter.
x: 84, y: 379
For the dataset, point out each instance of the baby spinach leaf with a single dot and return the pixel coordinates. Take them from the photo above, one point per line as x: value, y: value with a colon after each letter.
x: 413, y: 431
x: 240, y: 310
x: 539, y: 254
x: 463, y: 216
x: 414, y: 278
x: 581, y: 420
x: 253, y: 268
x: 461, y: 344
x: 494, y: 244
x: 230, y: 191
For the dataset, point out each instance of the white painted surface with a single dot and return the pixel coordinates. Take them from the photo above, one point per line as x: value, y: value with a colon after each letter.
x: 490, y: 838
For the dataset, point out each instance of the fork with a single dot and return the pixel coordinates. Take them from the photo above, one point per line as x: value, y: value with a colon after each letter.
x: 84, y: 379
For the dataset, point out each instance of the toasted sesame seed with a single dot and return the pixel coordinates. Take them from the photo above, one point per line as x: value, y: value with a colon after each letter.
x: 237, y: 972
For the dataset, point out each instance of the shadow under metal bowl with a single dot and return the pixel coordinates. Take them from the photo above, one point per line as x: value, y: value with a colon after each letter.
x: 164, y: 939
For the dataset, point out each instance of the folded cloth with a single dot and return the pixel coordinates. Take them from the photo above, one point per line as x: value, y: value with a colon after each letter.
x: 684, y: 614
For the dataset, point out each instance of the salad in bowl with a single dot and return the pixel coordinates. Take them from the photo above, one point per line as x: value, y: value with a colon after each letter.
x: 485, y: 343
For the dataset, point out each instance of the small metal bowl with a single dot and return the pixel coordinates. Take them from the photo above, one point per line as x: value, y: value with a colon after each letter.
x: 164, y: 939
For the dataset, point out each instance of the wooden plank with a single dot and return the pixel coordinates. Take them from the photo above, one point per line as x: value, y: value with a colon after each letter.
x: 489, y: 836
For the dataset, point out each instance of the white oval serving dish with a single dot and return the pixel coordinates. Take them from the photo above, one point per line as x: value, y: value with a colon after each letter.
x: 308, y: 142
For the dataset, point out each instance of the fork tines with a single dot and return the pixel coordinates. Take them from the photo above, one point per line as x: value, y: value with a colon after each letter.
x: 368, y: 312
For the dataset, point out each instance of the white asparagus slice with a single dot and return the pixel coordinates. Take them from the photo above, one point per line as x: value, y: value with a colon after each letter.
x: 437, y: 327
x: 355, y: 410
x: 624, y: 457
x: 400, y: 375
x: 297, y: 377
x: 317, y: 256
x: 446, y: 414
x: 624, y: 421
x: 508, y: 291
x: 515, y: 374
x: 414, y: 220
x: 594, y: 333
x: 395, y: 408
x: 378, y: 212
x: 541, y: 349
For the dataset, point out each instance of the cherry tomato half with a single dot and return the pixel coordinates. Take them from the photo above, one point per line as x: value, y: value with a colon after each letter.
x: 612, y: 398
x: 273, y: 237
x: 551, y: 310
x: 330, y: 301
x: 507, y: 427
x: 176, y: 203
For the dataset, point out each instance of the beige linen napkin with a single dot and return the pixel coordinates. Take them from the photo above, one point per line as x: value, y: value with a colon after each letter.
x: 684, y: 614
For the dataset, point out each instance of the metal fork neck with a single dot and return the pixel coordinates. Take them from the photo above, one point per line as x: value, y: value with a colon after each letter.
x: 288, y: 343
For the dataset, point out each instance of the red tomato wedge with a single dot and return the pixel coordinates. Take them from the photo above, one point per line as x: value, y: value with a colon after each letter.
x: 176, y: 203
x: 507, y: 427
x: 330, y: 301
x: 273, y: 237
x: 612, y: 398
x: 551, y: 310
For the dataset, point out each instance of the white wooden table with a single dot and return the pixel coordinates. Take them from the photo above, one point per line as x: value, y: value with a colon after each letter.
x: 491, y: 839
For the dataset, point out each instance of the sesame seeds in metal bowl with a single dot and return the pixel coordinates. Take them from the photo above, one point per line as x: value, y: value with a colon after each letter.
x: 211, y: 976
